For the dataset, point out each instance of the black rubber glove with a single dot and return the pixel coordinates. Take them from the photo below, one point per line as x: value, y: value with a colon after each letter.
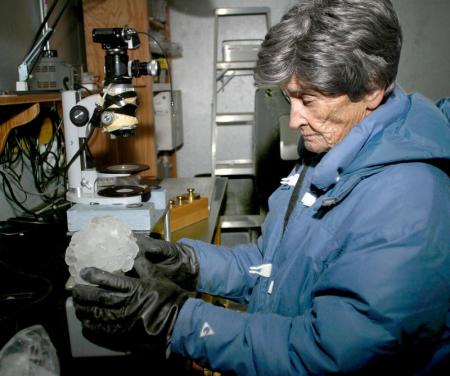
x: 123, y: 312
x: 178, y: 262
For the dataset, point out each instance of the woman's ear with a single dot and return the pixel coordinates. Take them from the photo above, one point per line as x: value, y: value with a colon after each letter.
x: 374, y: 98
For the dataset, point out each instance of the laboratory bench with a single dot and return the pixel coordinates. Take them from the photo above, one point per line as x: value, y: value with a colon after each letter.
x: 33, y: 270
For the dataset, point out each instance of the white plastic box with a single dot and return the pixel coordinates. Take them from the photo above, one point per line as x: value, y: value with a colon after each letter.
x: 241, y: 50
x: 168, y: 120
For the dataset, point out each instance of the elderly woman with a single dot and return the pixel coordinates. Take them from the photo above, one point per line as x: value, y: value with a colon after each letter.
x: 352, y: 270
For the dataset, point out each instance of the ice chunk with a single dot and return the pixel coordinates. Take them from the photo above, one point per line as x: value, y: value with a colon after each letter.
x: 29, y: 352
x: 105, y: 243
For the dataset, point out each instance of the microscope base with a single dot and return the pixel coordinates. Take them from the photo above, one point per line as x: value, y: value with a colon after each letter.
x: 141, y: 218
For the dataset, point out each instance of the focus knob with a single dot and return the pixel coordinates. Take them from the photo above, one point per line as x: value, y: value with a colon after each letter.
x: 153, y: 68
x: 107, y: 117
x: 79, y: 115
x: 137, y: 68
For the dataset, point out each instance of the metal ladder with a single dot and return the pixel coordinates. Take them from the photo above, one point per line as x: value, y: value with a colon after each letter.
x: 238, y: 60
x: 224, y: 71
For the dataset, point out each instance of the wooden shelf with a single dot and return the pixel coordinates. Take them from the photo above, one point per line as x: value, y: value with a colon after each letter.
x: 29, y: 98
x: 17, y: 110
x: 15, y: 117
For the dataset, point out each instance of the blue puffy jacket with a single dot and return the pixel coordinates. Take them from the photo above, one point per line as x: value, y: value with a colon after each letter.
x: 358, y: 280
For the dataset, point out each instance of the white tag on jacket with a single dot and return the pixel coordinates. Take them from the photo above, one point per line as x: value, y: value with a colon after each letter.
x: 308, y: 199
x: 264, y: 270
x: 270, y: 289
x: 206, y: 330
x: 290, y: 180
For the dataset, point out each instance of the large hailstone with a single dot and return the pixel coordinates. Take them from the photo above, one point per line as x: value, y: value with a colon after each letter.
x: 105, y: 243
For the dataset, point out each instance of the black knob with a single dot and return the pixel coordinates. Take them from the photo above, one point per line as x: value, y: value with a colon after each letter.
x: 79, y: 115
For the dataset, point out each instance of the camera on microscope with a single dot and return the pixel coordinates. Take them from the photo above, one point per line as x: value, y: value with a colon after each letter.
x: 118, y: 68
x: 117, y: 113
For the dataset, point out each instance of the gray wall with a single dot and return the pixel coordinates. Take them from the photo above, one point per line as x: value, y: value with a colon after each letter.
x: 17, y: 28
x: 19, y: 21
x: 425, y: 59
x: 424, y: 65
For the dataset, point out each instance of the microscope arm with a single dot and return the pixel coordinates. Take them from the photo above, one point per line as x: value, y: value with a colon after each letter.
x: 75, y: 132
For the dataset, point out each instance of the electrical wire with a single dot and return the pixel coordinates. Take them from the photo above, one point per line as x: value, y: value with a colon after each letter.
x: 169, y: 69
x: 39, y: 159
x: 13, y: 197
x: 23, y: 153
x: 86, y: 89
x: 29, y: 294
x: 19, y: 187
x: 83, y: 146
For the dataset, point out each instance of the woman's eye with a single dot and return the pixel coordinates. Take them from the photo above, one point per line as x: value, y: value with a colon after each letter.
x: 307, y: 102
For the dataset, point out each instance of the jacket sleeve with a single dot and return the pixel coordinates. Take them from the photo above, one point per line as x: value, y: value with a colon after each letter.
x: 224, y: 270
x: 346, y: 329
x: 385, y: 294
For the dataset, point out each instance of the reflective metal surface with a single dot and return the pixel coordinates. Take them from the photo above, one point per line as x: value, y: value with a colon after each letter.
x: 213, y: 188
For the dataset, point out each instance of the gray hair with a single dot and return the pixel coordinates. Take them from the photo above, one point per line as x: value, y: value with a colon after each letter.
x: 334, y: 46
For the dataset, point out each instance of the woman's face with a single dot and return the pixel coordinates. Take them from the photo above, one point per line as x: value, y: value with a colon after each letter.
x: 322, y: 120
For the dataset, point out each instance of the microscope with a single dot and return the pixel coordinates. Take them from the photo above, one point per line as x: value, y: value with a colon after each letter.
x: 115, y: 190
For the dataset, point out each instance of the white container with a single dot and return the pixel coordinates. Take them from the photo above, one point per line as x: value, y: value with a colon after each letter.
x: 241, y: 50
x: 168, y: 120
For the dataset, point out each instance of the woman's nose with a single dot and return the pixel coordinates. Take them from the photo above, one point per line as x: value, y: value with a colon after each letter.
x: 297, y: 115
